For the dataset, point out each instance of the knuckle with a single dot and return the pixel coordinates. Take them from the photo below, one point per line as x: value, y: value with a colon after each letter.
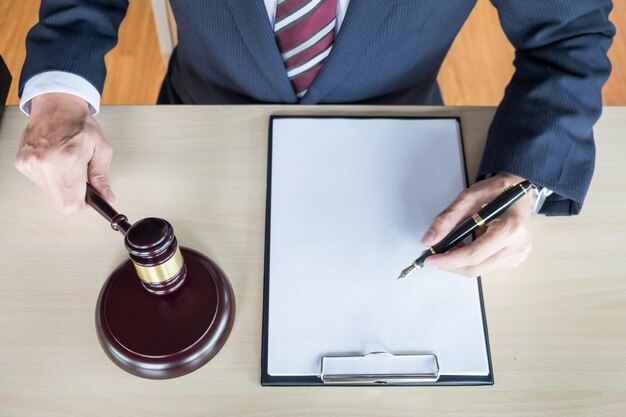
x: 20, y: 164
x: 443, y: 218
x: 23, y: 155
x: 37, y: 157
x: 25, y: 161
x: 499, y: 181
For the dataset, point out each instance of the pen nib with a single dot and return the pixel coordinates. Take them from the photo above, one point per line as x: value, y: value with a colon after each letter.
x: 408, y: 271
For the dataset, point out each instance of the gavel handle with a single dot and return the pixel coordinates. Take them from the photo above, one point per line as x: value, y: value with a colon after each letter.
x: 118, y: 221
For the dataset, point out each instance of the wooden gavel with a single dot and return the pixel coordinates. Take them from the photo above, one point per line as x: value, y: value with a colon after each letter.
x: 168, y: 310
x: 151, y: 245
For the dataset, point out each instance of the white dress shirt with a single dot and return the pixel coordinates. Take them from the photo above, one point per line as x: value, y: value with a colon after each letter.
x: 66, y: 82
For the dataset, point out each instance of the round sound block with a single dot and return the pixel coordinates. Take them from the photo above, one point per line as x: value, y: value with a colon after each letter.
x: 165, y: 336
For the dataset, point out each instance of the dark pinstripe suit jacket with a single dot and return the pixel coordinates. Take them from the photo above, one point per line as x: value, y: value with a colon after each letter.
x: 387, y: 51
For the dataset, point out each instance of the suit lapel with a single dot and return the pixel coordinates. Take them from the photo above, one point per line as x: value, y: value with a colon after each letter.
x: 359, y: 25
x: 256, y: 31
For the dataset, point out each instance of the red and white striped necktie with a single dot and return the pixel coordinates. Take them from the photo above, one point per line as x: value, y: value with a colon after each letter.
x: 304, y: 30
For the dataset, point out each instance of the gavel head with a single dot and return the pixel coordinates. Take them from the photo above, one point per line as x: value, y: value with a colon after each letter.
x: 154, y: 251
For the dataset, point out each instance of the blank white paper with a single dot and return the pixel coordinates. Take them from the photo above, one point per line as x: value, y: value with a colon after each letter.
x: 350, y: 200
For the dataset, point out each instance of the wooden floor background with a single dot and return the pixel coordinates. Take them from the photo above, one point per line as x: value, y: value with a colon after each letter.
x: 475, y: 71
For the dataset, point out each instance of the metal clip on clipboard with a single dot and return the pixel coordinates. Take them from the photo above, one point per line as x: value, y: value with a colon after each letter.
x: 380, y: 368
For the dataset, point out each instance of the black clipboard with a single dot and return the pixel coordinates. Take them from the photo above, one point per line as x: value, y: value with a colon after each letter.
x: 426, y: 376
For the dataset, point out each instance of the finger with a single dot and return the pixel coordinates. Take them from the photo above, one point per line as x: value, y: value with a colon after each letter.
x: 508, y: 257
x: 74, y: 193
x: 68, y: 189
x: 65, y: 176
x: 47, y: 173
x: 98, y: 171
x: 465, y: 205
x: 24, y: 166
x: 462, y: 207
x: 66, y: 194
x: 491, y: 242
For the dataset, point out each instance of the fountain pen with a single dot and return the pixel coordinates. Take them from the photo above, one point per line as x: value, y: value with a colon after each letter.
x: 488, y: 212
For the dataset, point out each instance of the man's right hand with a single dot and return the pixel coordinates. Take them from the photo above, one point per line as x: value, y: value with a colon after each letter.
x: 62, y: 148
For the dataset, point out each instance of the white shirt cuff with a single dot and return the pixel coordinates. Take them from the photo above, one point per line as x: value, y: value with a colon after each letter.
x: 541, y: 195
x: 60, y: 82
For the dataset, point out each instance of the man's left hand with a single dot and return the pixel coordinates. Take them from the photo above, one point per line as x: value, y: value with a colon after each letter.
x: 505, y: 242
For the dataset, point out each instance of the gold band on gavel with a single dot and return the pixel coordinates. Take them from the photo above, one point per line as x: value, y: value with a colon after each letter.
x: 163, y: 272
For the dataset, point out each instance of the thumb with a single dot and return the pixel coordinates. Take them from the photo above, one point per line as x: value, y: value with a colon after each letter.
x: 98, y: 171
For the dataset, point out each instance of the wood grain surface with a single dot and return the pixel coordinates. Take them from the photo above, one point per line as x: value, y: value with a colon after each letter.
x: 556, y: 323
x: 475, y: 72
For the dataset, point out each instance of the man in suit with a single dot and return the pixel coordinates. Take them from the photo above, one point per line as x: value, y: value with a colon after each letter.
x: 336, y: 51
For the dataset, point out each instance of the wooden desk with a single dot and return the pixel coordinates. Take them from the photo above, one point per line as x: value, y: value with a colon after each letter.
x: 557, y: 324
